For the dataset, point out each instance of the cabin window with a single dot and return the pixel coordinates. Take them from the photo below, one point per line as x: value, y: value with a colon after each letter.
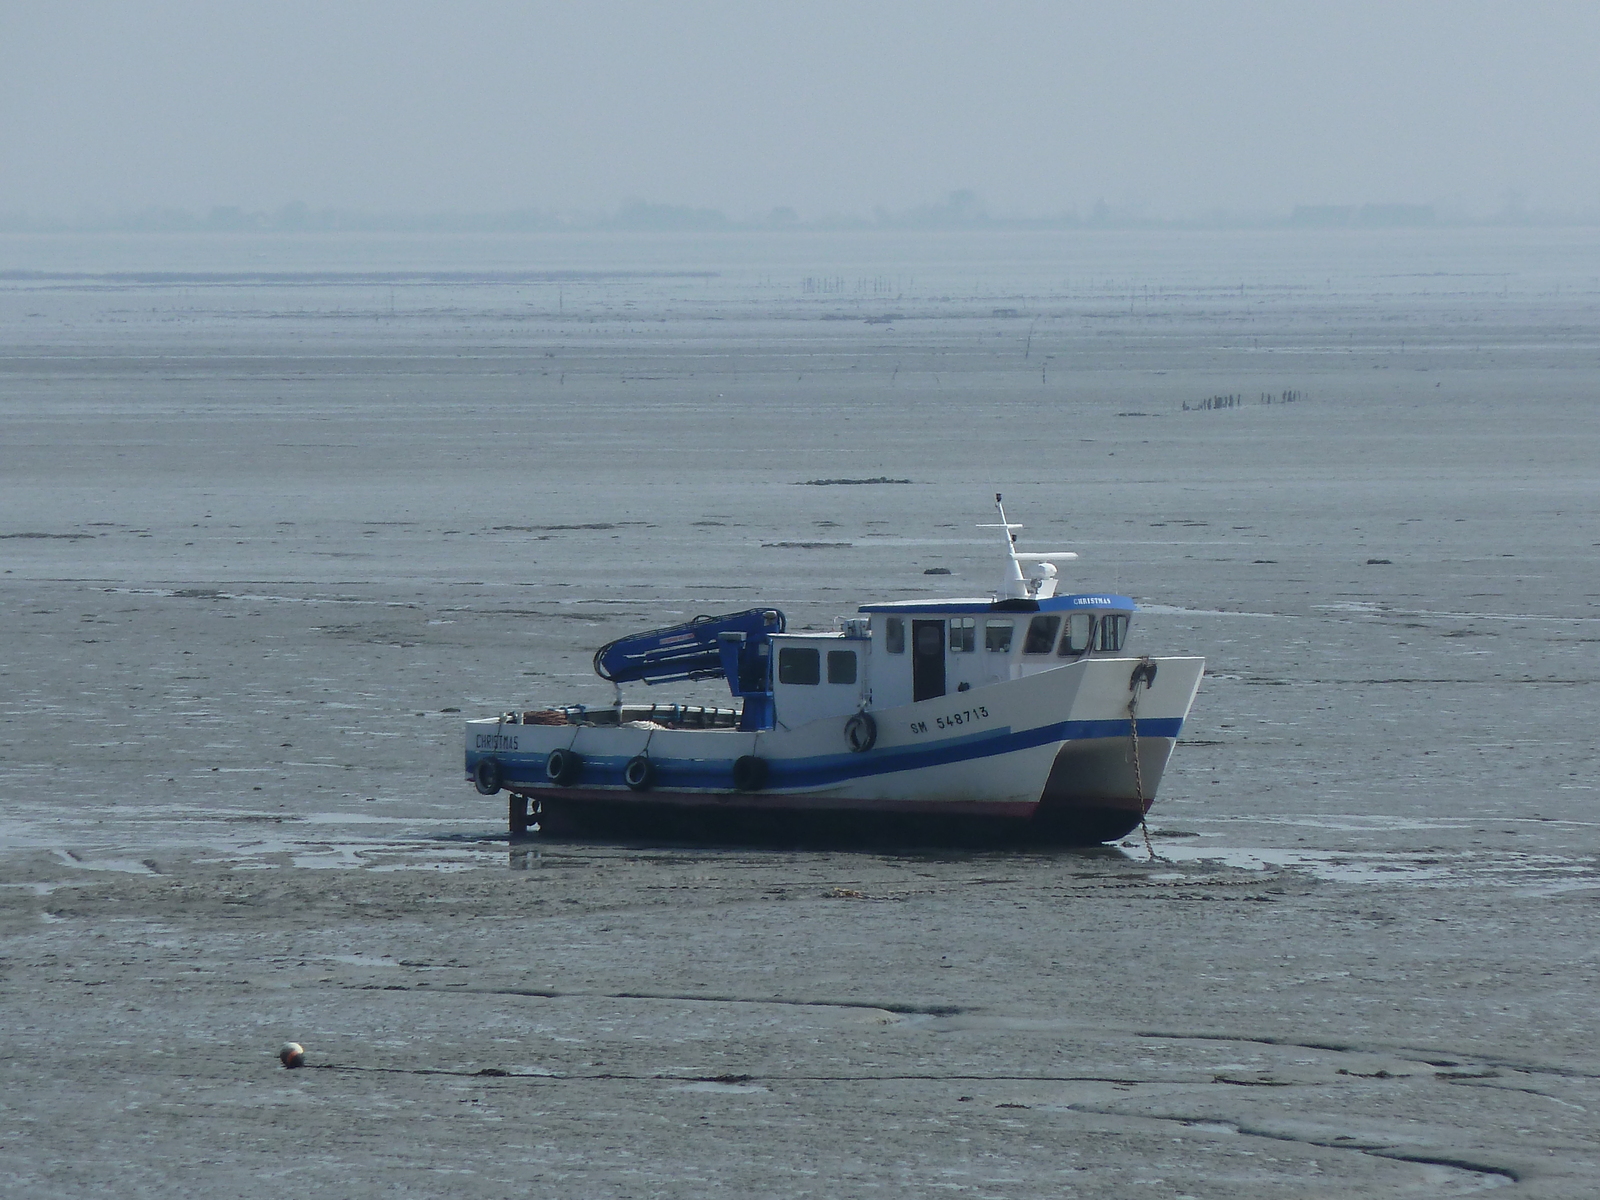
x: 841, y: 666
x: 894, y: 635
x: 963, y: 634
x: 799, y: 666
x: 1079, y: 635
x: 1113, y: 631
x: 1041, y: 637
x: 930, y: 640
x: 997, y: 636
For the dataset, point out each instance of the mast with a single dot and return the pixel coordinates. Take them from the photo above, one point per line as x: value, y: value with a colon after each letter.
x: 1039, y: 581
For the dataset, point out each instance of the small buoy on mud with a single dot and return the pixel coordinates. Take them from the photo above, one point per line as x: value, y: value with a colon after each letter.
x: 292, y: 1054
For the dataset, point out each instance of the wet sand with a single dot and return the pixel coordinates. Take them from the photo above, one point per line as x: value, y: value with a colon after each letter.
x: 261, y: 540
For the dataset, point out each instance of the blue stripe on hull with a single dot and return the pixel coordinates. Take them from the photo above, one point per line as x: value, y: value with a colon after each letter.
x: 824, y: 770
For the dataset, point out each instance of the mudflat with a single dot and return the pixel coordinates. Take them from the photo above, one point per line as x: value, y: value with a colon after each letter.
x: 268, y: 538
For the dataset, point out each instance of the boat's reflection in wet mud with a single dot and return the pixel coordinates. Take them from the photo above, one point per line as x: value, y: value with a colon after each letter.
x: 539, y: 852
x: 1367, y: 851
x: 1544, y: 874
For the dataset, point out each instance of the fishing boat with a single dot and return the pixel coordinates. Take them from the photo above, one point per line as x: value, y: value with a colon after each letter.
x: 1022, y: 713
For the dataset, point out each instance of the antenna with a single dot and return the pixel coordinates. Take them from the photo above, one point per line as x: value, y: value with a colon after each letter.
x: 1037, y: 582
x: 1015, y: 584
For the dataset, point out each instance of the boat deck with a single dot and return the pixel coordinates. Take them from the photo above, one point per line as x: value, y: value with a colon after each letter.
x: 661, y: 716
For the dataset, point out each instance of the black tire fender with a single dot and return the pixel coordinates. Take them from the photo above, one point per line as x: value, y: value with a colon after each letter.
x: 486, y: 776
x: 861, y: 732
x: 639, y: 774
x: 749, y: 773
x: 563, y: 767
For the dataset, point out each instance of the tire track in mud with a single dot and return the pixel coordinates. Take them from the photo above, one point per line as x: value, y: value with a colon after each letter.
x: 1373, y: 1149
x: 922, y: 1010
x: 1491, y: 1173
x: 1423, y: 1055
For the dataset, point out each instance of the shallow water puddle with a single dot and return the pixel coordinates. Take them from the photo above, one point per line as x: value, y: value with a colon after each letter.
x: 244, y: 839
x: 128, y: 866
x: 1541, y: 874
x: 1173, y: 610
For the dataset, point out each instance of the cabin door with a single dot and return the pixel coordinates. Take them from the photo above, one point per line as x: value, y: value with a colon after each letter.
x: 927, y: 659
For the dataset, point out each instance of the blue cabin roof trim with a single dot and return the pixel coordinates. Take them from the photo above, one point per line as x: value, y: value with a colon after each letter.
x: 1095, y: 600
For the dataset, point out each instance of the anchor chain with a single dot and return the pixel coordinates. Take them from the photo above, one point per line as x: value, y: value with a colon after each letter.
x: 1141, y: 678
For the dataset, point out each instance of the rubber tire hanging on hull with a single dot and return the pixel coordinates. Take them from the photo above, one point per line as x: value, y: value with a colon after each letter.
x: 563, y: 767
x: 861, y: 732
x: 639, y: 774
x: 749, y: 773
x: 486, y: 776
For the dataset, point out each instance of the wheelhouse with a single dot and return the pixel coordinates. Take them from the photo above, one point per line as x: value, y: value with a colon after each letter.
x: 899, y: 652
x: 906, y: 651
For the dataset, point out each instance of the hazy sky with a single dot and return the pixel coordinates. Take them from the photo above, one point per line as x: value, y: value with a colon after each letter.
x: 828, y: 107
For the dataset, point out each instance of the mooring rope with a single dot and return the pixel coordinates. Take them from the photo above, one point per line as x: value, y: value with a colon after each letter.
x: 1140, y: 679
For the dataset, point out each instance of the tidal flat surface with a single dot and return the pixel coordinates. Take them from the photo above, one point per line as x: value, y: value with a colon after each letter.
x: 276, y: 515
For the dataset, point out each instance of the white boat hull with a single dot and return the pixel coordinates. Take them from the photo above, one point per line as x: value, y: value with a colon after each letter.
x: 1053, y: 750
